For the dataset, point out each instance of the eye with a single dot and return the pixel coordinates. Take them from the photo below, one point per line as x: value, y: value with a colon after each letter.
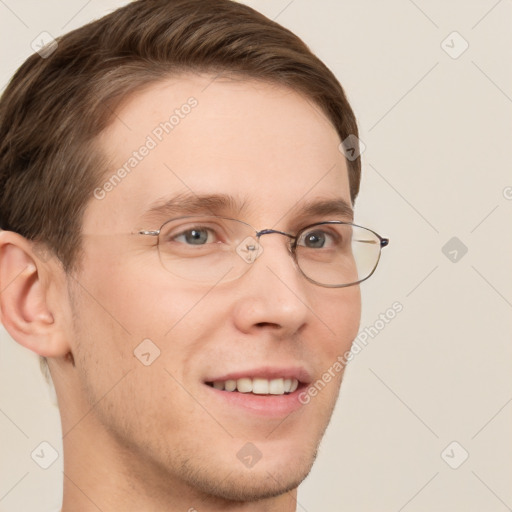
x: 316, y: 239
x: 196, y: 236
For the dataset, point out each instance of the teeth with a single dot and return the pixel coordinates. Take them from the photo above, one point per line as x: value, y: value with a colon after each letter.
x: 258, y: 386
x: 230, y: 385
x: 244, y: 385
x: 276, y: 387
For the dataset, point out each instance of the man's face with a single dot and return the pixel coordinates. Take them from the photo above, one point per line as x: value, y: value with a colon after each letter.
x: 273, y: 153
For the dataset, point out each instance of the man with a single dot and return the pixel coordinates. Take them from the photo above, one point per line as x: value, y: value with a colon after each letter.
x: 178, y: 244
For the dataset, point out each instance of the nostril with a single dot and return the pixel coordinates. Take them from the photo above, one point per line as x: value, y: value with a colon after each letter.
x: 268, y: 324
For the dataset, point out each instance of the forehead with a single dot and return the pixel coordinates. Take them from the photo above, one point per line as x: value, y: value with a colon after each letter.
x: 266, y: 146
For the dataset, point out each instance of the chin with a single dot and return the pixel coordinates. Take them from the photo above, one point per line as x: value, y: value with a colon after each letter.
x: 241, y: 484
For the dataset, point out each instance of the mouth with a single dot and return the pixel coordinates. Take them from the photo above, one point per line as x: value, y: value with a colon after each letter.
x: 257, y: 386
x: 264, y: 392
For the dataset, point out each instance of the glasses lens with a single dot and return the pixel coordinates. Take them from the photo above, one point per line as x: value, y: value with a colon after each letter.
x: 203, y: 249
x: 335, y: 254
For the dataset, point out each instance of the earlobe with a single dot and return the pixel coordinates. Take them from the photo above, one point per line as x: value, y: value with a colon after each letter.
x: 26, y: 311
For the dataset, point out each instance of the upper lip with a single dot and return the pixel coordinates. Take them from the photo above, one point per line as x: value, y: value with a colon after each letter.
x: 266, y: 372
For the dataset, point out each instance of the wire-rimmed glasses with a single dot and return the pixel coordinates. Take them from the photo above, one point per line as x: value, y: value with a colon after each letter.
x: 208, y: 249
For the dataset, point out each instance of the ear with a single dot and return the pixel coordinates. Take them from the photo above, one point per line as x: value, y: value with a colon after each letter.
x: 29, y: 296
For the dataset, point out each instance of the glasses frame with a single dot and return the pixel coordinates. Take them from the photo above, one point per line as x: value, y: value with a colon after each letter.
x: 292, y: 246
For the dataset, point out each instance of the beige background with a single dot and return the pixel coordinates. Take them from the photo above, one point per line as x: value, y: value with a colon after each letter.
x: 437, y: 131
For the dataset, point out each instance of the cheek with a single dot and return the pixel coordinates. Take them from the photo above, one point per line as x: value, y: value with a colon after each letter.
x: 125, y: 315
x: 340, y: 311
x: 117, y: 321
x: 142, y: 298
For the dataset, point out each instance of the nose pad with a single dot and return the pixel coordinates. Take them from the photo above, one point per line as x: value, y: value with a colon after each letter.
x: 249, y: 249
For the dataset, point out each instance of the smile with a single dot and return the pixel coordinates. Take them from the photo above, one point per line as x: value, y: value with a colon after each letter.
x: 257, y: 386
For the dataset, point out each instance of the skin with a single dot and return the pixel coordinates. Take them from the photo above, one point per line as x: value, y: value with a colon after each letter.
x: 153, y: 437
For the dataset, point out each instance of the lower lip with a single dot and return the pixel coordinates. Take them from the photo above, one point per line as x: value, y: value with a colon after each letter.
x: 262, y: 405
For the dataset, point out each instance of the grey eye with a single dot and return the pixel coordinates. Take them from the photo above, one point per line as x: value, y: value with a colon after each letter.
x: 194, y: 236
x: 315, y: 239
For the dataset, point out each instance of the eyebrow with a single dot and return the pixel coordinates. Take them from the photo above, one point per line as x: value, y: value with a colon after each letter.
x: 194, y: 204
x: 335, y: 208
x: 223, y: 204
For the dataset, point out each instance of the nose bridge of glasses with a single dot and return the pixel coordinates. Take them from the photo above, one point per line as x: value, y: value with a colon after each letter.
x: 289, y: 236
x: 272, y: 231
x: 250, y: 248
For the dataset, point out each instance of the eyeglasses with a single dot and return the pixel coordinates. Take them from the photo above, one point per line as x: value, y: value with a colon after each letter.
x: 208, y: 249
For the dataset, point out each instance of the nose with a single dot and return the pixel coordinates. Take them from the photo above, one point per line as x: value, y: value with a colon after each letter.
x: 273, y: 295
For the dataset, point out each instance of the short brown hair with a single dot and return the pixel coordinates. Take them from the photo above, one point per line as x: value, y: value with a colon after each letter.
x: 54, y: 108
